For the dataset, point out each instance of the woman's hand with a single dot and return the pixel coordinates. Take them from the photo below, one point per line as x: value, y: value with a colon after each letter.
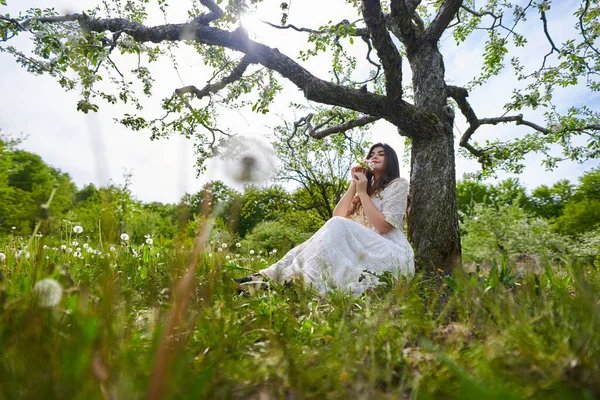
x: 360, y: 180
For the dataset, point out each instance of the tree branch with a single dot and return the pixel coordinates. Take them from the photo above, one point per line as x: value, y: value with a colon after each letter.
x: 343, y: 127
x: 443, y: 18
x: 214, y: 14
x: 402, y: 16
x: 414, y: 121
x: 235, y: 75
x: 386, y: 50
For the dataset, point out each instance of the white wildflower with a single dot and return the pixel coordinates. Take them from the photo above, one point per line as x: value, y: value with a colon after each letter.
x: 149, y: 241
x: 2, y: 257
x: 63, y: 246
x: 238, y: 245
x: 77, y: 229
x: 85, y: 245
x: 45, y: 247
x: 124, y: 237
x: 224, y: 245
x: 113, y: 248
x: 251, y: 252
x: 22, y: 253
x: 274, y: 251
x: 48, y: 292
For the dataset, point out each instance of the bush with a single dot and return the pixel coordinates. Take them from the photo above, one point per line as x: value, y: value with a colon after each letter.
x: 274, y: 235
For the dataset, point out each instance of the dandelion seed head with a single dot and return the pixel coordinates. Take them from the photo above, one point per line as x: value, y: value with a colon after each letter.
x: 124, y: 236
x: 2, y: 257
x: 48, y: 292
x: 149, y: 241
x: 77, y: 229
x: 224, y: 245
x: 238, y: 245
x: 251, y: 252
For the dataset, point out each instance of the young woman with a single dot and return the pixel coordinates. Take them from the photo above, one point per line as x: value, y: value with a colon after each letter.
x: 365, y: 234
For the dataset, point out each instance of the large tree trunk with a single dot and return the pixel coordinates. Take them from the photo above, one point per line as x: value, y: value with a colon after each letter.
x: 433, y: 220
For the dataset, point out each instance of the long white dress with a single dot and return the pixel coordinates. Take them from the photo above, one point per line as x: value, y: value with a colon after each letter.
x: 338, y: 254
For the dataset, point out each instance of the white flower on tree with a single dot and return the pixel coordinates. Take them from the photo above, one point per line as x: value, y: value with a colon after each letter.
x: 48, y: 292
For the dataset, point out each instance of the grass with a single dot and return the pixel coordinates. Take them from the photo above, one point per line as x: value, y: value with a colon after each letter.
x: 492, y: 334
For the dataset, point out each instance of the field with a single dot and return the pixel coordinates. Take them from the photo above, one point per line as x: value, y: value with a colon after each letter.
x: 120, y: 326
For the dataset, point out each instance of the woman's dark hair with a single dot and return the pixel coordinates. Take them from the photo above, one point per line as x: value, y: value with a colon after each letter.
x: 392, y: 171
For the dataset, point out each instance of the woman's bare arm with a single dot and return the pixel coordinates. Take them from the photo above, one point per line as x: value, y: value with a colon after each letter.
x: 341, y: 208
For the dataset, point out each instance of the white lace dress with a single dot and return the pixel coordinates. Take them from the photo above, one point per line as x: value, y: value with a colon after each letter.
x: 338, y: 254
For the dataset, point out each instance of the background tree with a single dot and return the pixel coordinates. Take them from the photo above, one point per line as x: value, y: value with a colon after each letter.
x: 76, y: 49
x: 321, y: 167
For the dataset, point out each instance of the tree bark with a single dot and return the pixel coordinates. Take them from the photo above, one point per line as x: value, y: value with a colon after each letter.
x: 433, y: 226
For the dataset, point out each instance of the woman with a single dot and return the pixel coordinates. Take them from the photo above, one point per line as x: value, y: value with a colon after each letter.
x: 365, y: 234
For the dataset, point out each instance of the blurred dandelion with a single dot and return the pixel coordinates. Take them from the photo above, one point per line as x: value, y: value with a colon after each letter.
x: 48, y: 292
x: 124, y: 236
x: 2, y: 257
x: 251, y: 252
x: 149, y: 241
x: 77, y: 229
x: 238, y: 245
x: 23, y: 253
x: 224, y: 245
x: 247, y: 160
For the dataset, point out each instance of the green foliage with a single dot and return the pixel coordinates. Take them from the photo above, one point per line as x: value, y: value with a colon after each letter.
x: 274, y: 235
x: 508, y: 230
x: 483, y: 335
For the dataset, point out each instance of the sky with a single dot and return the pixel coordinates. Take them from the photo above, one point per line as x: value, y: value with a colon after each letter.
x: 93, y: 148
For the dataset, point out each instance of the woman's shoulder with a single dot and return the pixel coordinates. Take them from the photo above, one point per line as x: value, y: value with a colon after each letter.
x: 398, y: 182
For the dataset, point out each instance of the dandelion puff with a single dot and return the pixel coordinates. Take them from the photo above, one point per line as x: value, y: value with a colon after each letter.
x: 238, y: 245
x: 22, y: 253
x: 77, y: 254
x: 251, y: 252
x: 75, y: 244
x: 224, y: 245
x: 149, y: 241
x: 77, y: 229
x: 227, y: 257
x: 45, y: 247
x: 69, y: 250
x: 219, y: 250
x: 113, y: 248
x: 48, y: 292
x: 85, y: 245
x: 124, y: 237
x: 274, y: 251
x: 63, y: 246
x: 2, y: 257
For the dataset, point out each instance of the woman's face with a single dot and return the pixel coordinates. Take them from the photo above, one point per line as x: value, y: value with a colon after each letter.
x: 377, y: 158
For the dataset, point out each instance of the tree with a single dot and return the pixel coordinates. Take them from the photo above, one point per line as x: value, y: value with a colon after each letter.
x: 320, y: 167
x: 82, y: 44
